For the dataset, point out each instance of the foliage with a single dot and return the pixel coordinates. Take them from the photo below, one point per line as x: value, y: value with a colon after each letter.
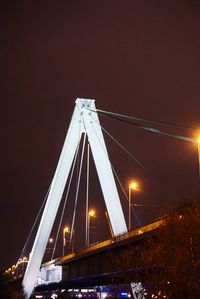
x: 4, y: 292
x: 170, y: 259
x: 9, y: 291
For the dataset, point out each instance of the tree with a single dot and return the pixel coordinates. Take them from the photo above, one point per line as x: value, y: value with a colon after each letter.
x: 169, y: 261
x: 8, y: 289
x: 4, y: 292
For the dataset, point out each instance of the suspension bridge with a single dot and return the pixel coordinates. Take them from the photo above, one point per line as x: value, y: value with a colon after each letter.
x: 86, y: 265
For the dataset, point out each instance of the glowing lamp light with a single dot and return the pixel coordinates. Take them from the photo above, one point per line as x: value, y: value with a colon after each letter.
x: 25, y: 259
x: 91, y: 213
x: 66, y: 230
x: 197, y: 139
x: 196, y: 136
x: 134, y: 185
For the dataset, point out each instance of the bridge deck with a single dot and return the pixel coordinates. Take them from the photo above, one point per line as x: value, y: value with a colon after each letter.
x: 115, y: 241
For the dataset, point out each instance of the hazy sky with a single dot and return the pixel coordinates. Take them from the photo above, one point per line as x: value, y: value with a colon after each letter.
x: 133, y: 57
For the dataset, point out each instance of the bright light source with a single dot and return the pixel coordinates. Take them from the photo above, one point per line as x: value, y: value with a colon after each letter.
x: 91, y: 213
x: 66, y: 229
x: 25, y: 259
x: 124, y: 294
x: 134, y: 185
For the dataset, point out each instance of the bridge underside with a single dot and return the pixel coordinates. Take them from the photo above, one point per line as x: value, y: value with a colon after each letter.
x: 107, y: 265
x: 85, y: 282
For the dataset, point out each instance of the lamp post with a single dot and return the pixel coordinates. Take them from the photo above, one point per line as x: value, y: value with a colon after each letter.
x: 91, y: 213
x: 65, y: 230
x: 198, y: 152
x: 132, y: 186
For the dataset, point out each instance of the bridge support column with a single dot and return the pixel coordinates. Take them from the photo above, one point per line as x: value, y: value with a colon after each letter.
x: 84, y: 120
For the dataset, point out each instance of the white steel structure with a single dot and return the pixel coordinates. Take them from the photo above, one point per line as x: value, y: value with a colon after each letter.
x: 84, y: 120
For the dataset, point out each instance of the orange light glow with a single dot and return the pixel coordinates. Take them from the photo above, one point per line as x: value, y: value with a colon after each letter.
x: 134, y: 185
x: 91, y: 213
x: 66, y: 229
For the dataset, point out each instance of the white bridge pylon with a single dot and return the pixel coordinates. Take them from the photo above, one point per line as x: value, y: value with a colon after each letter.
x: 84, y: 120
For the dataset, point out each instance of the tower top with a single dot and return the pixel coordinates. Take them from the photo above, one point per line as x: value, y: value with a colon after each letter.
x: 85, y: 103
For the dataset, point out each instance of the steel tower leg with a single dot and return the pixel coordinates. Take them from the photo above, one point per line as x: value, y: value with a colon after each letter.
x: 84, y: 120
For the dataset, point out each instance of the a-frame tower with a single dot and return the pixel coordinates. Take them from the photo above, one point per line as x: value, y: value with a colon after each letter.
x: 84, y: 120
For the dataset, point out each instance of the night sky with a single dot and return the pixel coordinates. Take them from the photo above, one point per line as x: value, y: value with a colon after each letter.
x: 140, y: 58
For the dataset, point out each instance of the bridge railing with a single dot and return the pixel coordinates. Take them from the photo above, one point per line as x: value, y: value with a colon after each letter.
x: 140, y: 230
x: 130, y: 234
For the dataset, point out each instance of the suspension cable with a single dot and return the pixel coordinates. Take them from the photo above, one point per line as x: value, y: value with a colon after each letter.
x: 115, y: 173
x: 65, y: 201
x: 77, y: 189
x: 87, y: 194
x: 125, y: 194
x: 149, y: 129
x: 152, y: 129
x: 34, y: 224
x: 143, y: 119
x: 121, y: 146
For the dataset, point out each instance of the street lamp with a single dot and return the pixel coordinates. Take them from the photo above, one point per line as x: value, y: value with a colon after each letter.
x: 51, y: 240
x: 65, y: 230
x: 132, y: 186
x: 198, y: 152
x: 91, y: 213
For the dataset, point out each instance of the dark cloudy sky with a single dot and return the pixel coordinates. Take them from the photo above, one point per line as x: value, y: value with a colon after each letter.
x: 134, y: 57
